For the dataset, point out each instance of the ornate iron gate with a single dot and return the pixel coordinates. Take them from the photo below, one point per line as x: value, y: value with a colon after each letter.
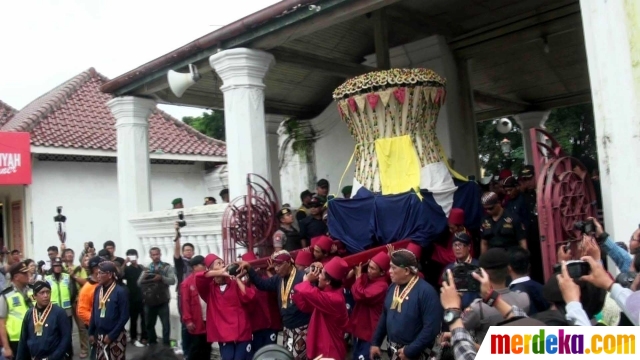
x: 249, y: 221
x: 563, y: 197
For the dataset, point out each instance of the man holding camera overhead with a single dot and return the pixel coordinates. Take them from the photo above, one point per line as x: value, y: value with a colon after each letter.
x: 154, y: 283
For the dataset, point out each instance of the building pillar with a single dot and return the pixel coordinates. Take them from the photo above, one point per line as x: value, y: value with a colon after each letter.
x: 134, y: 188
x: 612, y: 35
x: 528, y: 121
x: 242, y: 71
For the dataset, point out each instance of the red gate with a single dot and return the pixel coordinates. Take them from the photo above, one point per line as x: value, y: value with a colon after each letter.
x: 249, y: 221
x: 563, y: 197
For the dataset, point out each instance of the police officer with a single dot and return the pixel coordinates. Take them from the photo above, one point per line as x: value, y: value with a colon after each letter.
x: 15, y: 301
x: 287, y: 237
x: 500, y: 228
x: 527, y: 183
x: 480, y: 315
x: 63, y: 291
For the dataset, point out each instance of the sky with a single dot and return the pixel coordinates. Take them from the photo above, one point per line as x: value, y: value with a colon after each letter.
x: 44, y: 43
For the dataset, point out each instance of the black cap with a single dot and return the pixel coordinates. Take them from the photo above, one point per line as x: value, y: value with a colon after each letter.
x: 283, y: 212
x: 527, y: 172
x: 196, y: 260
x: 316, y: 201
x: 496, y: 258
x: 323, y: 183
x: 95, y: 261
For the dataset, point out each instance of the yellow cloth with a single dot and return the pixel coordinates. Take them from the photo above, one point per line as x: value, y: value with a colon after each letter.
x: 398, y: 164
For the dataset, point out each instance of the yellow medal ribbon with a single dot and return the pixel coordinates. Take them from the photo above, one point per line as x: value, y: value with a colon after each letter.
x: 38, y: 321
x: 284, y: 292
x: 396, y: 304
x: 105, y: 297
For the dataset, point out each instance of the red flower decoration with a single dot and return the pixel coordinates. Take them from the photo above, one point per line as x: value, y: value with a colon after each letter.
x: 373, y: 99
x: 400, y: 94
x: 352, y: 104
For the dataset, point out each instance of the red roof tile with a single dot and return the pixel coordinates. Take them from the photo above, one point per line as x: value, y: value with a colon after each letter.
x: 75, y: 115
x: 6, y: 112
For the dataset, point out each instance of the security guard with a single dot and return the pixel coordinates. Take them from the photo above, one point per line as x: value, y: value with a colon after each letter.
x: 516, y: 203
x: 481, y: 315
x: 287, y: 237
x: 63, y: 291
x: 527, y: 181
x: 15, y: 301
x: 500, y: 228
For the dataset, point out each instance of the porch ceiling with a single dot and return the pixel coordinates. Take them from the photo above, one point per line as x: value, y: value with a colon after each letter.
x: 524, y: 55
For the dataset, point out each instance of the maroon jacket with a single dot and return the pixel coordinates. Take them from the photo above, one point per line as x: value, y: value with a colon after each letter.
x: 369, y: 297
x: 190, y: 305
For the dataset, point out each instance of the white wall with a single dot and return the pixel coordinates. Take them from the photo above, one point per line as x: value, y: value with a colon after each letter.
x: 333, y: 150
x: 89, y: 194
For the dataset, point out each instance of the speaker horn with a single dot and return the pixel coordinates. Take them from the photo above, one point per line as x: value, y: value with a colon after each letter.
x: 504, y: 125
x: 180, y: 82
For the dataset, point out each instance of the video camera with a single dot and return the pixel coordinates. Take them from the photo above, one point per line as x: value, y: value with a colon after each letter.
x: 585, y: 227
x: 181, y: 222
x: 575, y: 268
x: 463, y: 277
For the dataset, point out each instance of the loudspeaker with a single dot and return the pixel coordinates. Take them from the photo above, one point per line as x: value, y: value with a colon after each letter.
x: 504, y: 125
x: 180, y: 82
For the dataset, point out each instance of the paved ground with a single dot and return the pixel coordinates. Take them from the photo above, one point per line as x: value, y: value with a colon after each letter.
x: 132, y: 351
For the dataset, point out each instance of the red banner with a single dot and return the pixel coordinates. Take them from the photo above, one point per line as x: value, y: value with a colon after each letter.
x: 15, y: 158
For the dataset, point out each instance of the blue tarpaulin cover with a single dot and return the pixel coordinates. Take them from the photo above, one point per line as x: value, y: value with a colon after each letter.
x: 368, y: 220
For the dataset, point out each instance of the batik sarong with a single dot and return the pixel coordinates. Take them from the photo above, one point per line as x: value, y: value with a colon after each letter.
x: 295, y: 340
x: 114, y: 351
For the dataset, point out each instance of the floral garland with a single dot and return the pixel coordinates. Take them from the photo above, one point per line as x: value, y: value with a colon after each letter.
x: 381, y: 79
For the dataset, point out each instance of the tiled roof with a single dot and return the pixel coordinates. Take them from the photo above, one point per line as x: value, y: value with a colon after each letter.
x: 75, y: 115
x: 6, y: 112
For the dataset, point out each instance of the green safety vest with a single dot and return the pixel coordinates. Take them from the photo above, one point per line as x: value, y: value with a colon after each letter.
x: 60, y: 294
x: 16, y: 309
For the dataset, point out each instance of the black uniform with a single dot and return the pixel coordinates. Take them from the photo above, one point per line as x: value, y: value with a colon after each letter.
x: 504, y: 233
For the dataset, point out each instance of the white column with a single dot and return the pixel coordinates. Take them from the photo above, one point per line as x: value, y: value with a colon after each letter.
x: 611, y: 39
x: 134, y: 188
x: 242, y: 71
x: 528, y: 121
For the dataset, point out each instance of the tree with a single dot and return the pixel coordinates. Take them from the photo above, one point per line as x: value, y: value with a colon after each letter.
x: 211, y: 123
x: 573, y: 127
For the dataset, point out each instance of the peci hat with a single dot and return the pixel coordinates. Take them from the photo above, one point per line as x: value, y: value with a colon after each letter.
x: 209, y: 259
x: 304, y: 258
x: 323, y: 242
x: 383, y: 261
x: 283, y: 212
x: 504, y: 173
x: 249, y: 256
x: 495, y: 258
x: 456, y: 217
x: 337, y: 268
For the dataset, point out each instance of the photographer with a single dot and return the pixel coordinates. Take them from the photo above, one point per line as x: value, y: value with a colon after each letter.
x: 620, y: 257
x: 623, y: 297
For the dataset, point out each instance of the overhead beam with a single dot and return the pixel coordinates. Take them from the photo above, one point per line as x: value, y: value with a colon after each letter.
x: 543, y: 25
x: 420, y: 22
x: 215, y: 101
x: 330, y: 14
x: 571, y: 99
x: 499, y: 101
x: 339, y: 68
x: 381, y: 39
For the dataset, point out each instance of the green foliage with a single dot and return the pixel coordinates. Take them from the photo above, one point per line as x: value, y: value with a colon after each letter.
x: 301, y: 141
x: 211, y: 123
x: 573, y: 127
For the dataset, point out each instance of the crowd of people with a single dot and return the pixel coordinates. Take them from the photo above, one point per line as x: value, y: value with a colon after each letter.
x: 395, y: 303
